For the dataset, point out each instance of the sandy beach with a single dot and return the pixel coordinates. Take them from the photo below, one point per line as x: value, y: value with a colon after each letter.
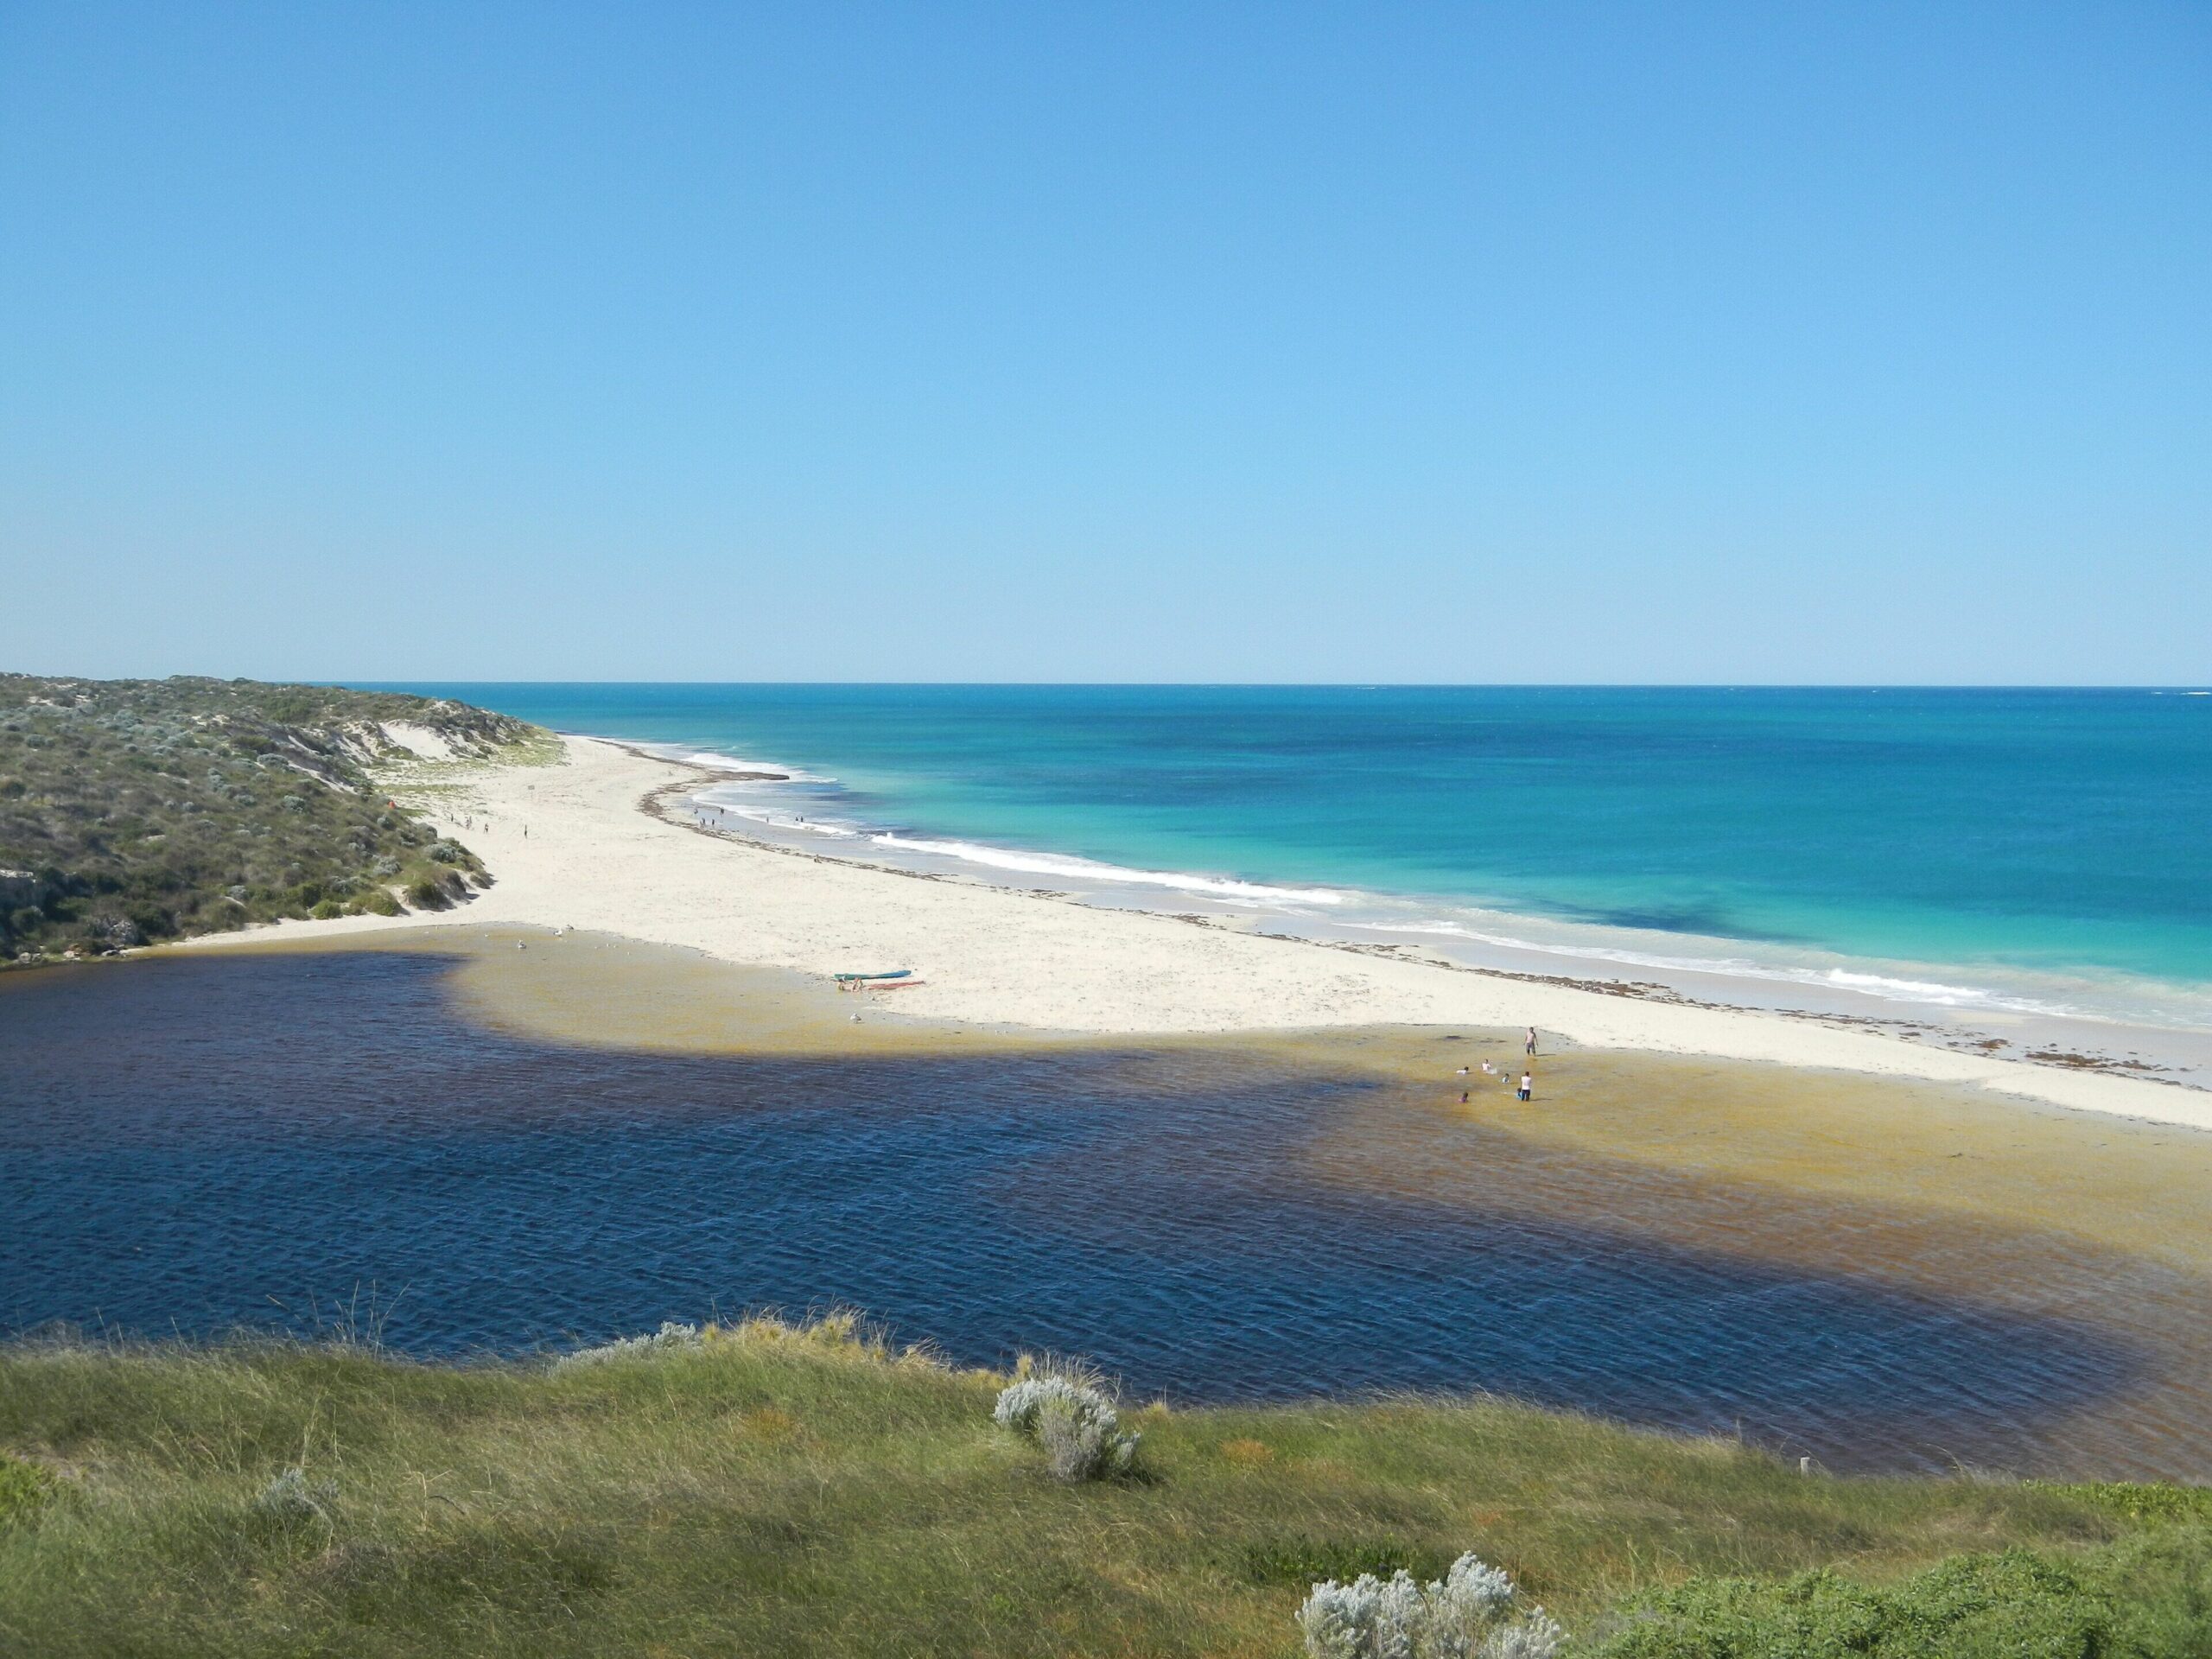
x: 572, y: 845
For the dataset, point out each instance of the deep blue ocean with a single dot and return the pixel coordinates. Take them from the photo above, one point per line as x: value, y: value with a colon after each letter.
x: 2046, y: 850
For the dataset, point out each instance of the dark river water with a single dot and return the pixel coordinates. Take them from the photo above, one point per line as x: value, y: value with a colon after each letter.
x: 194, y: 1146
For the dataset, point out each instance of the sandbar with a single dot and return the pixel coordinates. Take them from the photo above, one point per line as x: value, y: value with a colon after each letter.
x: 573, y: 844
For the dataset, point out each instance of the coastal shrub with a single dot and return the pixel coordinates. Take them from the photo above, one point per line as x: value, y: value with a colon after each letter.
x: 673, y: 1336
x: 328, y: 910
x: 291, y: 1499
x: 1072, y: 1421
x: 1467, y: 1614
x: 425, y: 894
x: 2014, y: 1605
x: 1079, y: 1444
x: 378, y: 901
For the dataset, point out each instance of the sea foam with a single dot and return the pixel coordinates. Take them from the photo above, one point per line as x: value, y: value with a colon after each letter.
x: 1887, y: 988
x: 1071, y: 868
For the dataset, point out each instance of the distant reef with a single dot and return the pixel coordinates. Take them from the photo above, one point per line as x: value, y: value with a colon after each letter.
x: 133, y: 811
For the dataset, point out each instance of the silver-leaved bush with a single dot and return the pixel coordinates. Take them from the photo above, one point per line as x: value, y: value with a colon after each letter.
x: 1467, y: 1614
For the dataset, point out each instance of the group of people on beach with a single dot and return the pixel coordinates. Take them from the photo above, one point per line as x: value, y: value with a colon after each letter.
x: 1526, y: 1088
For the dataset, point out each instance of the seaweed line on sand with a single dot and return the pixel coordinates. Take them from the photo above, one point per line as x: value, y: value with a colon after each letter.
x: 664, y: 802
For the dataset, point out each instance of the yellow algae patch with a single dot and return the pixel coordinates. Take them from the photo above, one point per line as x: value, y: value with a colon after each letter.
x: 2142, y: 1187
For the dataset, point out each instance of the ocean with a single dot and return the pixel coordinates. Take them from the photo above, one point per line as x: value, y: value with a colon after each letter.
x: 2034, y: 858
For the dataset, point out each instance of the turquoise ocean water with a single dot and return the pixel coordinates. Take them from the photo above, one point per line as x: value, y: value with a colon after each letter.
x: 2037, y: 853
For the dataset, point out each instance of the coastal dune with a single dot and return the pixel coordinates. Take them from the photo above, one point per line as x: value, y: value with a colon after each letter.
x: 572, y: 845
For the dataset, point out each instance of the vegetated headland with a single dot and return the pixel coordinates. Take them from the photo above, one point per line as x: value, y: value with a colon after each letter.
x: 133, y: 811
x: 769, y: 1489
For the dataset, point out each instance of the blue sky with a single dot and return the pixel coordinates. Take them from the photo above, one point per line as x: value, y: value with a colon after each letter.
x: 1857, y: 342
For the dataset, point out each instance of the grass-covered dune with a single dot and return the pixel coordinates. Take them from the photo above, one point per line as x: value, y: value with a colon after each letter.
x: 137, y: 810
x: 776, y: 1491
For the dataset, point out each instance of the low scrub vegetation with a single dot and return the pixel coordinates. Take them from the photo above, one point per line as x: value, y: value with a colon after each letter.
x: 1472, y: 1613
x: 137, y: 810
x: 2151, y: 1596
x: 1069, y: 1416
x: 773, y: 1489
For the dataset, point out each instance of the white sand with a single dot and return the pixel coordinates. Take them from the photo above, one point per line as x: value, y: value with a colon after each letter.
x: 419, y: 740
x: 592, y: 859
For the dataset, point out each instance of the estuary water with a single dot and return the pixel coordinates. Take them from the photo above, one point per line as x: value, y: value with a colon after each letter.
x: 2029, y: 861
x: 284, y: 1141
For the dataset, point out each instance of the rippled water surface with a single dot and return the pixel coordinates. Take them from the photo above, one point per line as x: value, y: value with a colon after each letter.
x: 194, y: 1145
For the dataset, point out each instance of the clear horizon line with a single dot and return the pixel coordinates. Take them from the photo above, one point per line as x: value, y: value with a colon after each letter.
x: 1348, y: 684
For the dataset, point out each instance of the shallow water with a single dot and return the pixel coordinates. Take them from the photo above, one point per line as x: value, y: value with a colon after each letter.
x: 192, y: 1145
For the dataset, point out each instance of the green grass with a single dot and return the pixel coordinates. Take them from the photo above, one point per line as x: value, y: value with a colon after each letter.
x: 804, y: 1493
x: 24, y: 1489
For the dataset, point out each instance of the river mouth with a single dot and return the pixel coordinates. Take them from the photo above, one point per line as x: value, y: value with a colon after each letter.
x: 490, y: 1148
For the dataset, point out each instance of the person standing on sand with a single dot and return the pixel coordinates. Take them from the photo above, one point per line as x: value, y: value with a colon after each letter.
x: 1528, y: 1089
x: 1531, y: 1049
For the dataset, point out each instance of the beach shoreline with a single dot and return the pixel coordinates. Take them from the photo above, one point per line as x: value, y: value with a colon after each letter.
x: 598, y: 840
